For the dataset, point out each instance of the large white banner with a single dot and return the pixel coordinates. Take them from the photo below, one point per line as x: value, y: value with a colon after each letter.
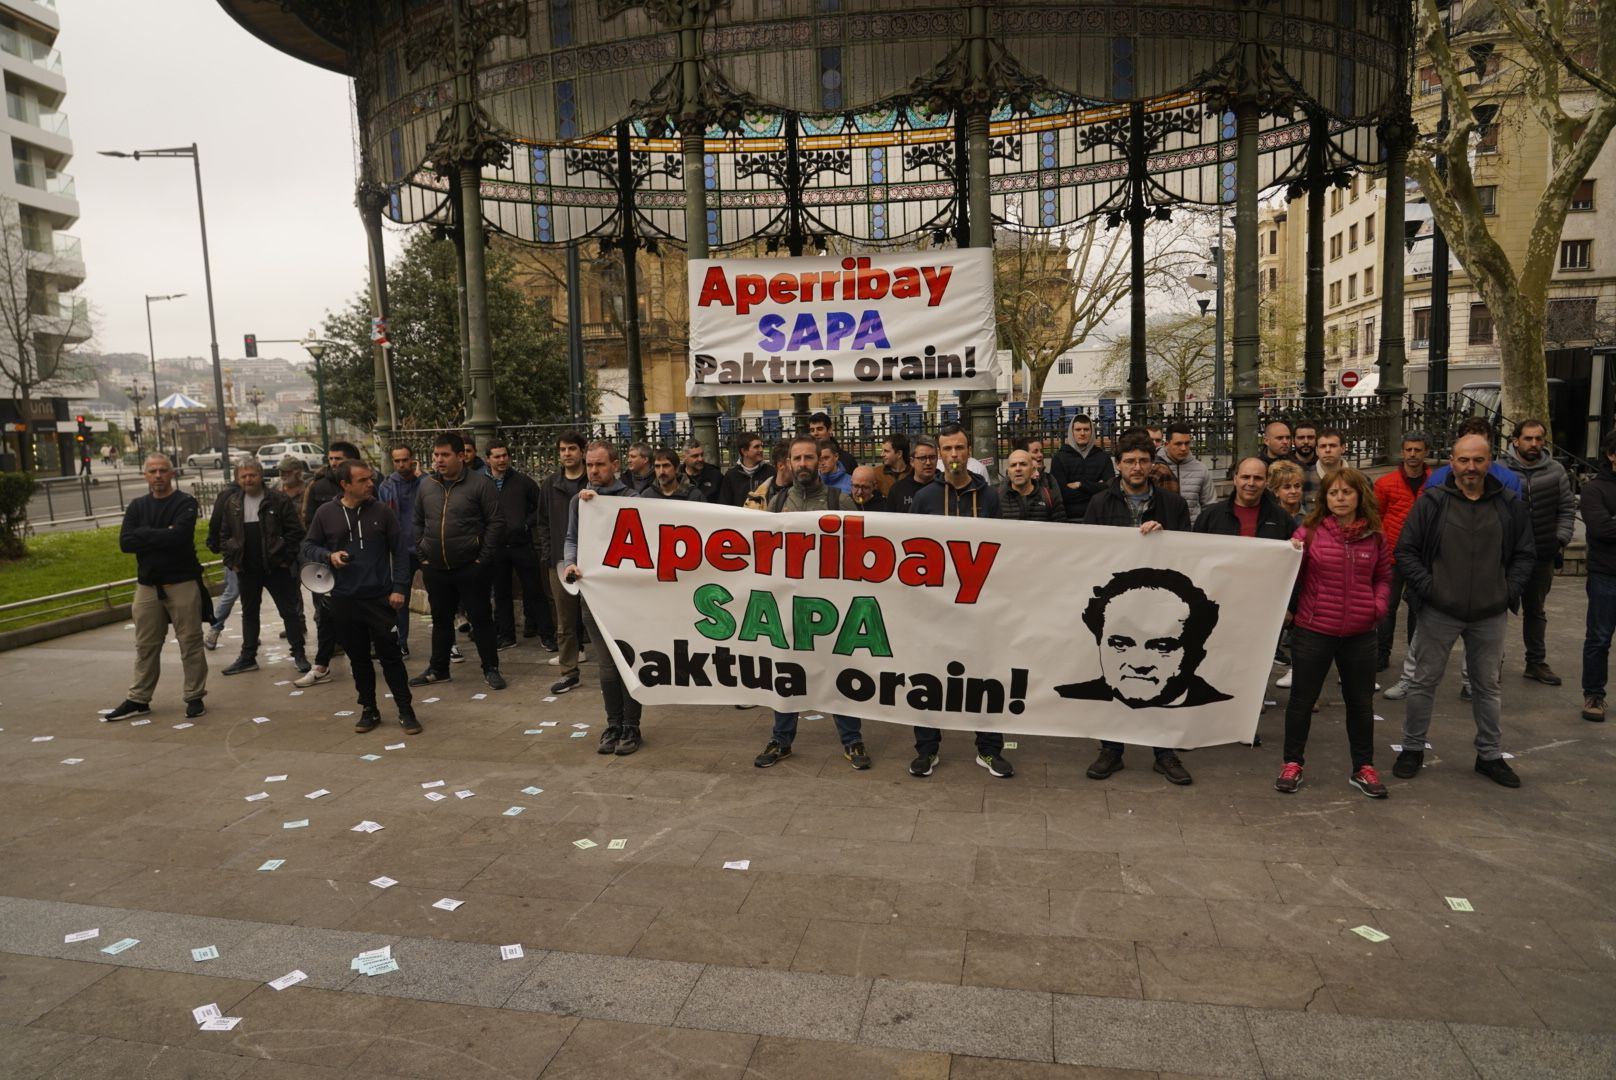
x: 1049, y: 629
x: 915, y: 320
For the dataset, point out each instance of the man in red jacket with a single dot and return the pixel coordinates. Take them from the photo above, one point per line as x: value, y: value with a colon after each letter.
x: 1395, y: 494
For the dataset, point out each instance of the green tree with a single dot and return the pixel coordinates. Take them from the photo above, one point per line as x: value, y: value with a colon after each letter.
x: 1179, y: 355
x: 529, y: 355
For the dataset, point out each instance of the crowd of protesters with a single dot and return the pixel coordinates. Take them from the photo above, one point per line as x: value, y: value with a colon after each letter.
x: 1452, y: 551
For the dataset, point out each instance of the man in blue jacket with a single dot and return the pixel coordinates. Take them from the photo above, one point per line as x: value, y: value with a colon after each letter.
x: 360, y: 539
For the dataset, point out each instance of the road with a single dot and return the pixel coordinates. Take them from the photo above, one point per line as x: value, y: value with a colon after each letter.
x: 59, y: 506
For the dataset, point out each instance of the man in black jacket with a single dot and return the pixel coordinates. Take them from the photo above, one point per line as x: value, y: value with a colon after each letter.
x: 866, y: 495
x: 1251, y: 510
x: 319, y: 491
x: 1081, y: 469
x: 922, y: 474
x: 750, y: 470
x: 361, y: 541
x: 1599, y: 521
x: 1546, y: 490
x: 458, y: 528
x: 702, y: 475
x: 519, y: 505
x: 669, y: 481
x: 159, y: 529
x: 1466, y: 552
x: 1022, y: 497
x: 1130, y: 501
x: 258, y: 536
x: 819, y: 429
x: 555, y: 494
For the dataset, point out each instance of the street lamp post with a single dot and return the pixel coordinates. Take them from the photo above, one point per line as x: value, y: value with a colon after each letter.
x: 136, y: 394
x: 151, y: 345
x: 207, y: 278
x: 316, y: 349
x: 255, y: 398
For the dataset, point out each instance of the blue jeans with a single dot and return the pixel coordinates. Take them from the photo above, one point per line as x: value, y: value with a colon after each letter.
x: 1601, y: 624
x: 227, y: 599
x: 785, y: 728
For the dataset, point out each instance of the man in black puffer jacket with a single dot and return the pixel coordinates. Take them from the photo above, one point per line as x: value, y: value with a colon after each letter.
x: 1081, y: 469
x: 259, y: 533
x: 1546, y: 490
x: 458, y: 528
x: 519, y: 504
x: 1251, y: 510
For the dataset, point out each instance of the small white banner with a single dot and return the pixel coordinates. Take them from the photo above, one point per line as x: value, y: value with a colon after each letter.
x: 912, y: 320
x: 960, y: 623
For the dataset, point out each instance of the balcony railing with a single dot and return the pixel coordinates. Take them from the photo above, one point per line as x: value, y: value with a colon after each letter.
x: 67, y: 247
x: 74, y: 309
x: 26, y: 48
x: 26, y: 110
x: 40, y: 178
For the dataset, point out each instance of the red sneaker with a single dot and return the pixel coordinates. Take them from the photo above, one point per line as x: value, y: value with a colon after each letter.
x: 1290, y: 778
x: 1367, y: 780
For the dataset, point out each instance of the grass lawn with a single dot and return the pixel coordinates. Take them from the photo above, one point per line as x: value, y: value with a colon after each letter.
x: 67, y: 561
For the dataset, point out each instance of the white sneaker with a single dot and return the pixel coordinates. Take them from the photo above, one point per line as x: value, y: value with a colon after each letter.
x: 1284, y: 681
x: 210, y: 638
x: 554, y: 661
x: 1397, y: 690
x: 315, y: 675
x: 455, y: 655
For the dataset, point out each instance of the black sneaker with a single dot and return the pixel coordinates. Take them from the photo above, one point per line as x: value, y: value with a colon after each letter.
x: 505, y: 643
x: 1408, y: 764
x: 608, y: 740
x: 1498, y: 771
x: 369, y: 717
x: 194, y: 708
x: 428, y: 677
x: 407, y: 720
x: 772, y: 753
x: 859, y: 756
x: 127, y: 709
x: 455, y: 655
x: 923, y: 765
x: 301, y: 663
x: 494, y: 679
x: 242, y: 665
x: 1464, y: 690
x: 403, y: 652
x: 1109, y: 761
x: 995, y: 765
x: 563, y: 684
x: 465, y: 628
x: 629, y: 743
x: 548, y: 644
x: 1172, y: 768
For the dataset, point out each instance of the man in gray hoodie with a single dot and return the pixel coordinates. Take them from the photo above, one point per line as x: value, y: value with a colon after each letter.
x: 1194, y: 478
x: 1466, y: 553
x: 1546, y: 490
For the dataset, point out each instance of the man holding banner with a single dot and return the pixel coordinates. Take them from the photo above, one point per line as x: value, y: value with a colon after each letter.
x: 1131, y: 501
x: 961, y: 494
x: 622, y: 734
x: 808, y: 491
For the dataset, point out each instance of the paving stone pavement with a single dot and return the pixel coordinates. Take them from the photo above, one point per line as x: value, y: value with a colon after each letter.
x: 1040, y: 928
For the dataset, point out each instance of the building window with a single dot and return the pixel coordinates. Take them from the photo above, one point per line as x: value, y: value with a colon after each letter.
x: 1352, y: 238
x: 1335, y: 294
x: 1583, y: 198
x: 1352, y: 286
x: 1369, y: 340
x: 1335, y: 247
x: 1063, y: 366
x: 1273, y: 279
x: 1422, y: 328
x: 1273, y: 319
x: 1571, y: 320
x: 1576, y: 254
x: 1369, y: 281
x: 1487, y: 196
x: 1352, y: 341
x: 1481, y: 325
x: 1430, y: 82
x: 1487, y: 141
x: 1335, y: 200
x: 1352, y: 189
x: 1273, y: 241
x: 1369, y: 229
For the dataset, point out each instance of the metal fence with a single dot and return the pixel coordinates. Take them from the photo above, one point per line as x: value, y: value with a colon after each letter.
x: 1364, y: 423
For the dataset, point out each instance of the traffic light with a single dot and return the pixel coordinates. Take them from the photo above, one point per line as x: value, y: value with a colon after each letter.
x: 250, y: 341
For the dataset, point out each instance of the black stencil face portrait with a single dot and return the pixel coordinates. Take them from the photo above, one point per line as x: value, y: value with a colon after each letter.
x: 1151, y: 627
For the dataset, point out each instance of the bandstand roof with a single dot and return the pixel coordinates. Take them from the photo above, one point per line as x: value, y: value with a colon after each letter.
x: 866, y: 91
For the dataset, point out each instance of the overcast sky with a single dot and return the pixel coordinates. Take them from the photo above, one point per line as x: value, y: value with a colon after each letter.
x: 277, y: 174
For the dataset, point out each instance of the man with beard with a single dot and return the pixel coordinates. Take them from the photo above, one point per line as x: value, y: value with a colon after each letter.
x: 1131, y: 501
x: 398, y: 494
x: 1546, y: 490
x: 670, y: 480
x: 321, y: 490
x: 702, y: 475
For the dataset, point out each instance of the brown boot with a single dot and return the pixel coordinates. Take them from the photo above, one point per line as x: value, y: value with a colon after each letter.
x: 1541, y: 672
x: 1593, y: 709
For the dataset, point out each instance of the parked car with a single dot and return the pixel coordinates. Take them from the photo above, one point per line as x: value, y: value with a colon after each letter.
x: 311, y: 456
x: 210, y: 459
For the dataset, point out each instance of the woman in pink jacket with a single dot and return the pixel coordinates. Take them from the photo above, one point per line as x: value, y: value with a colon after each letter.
x: 1341, y: 595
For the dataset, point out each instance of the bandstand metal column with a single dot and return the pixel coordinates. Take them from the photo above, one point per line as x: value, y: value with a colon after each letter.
x: 1317, y: 184
x: 703, y: 411
x: 1396, y: 136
